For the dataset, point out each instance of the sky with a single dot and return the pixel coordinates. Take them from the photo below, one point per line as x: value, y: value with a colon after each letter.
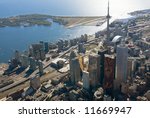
x: 71, y: 7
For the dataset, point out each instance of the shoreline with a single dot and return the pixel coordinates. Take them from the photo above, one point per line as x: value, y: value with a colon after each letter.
x: 30, y: 20
x: 76, y: 25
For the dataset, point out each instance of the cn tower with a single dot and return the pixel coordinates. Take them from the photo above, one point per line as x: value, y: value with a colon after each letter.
x: 108, y: 18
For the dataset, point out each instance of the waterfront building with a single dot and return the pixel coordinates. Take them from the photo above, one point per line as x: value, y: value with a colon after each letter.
x: 83, y: 38
x: 66, y: 43
x: 101, y: 53
x: 81, y: 48
x: 41, y: 69
x: 60, y: 45
x: 32, y: 63
x: 46, y: 47
x: 26, y: 53
x: 37, y: 51
x: 94, y: 69
x: 42, y: 42
x: 31, y: 53
x: 13, y: 63
x: 42, y: 54
x: 17, y: 55
x: 24, y: 61
x: 73, y: 42
x: 121, y: 65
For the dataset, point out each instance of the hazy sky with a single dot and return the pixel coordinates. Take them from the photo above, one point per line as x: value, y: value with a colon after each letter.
x: 72, y: 7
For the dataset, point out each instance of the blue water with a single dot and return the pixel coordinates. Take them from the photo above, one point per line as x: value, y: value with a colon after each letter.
x: 20, y: 38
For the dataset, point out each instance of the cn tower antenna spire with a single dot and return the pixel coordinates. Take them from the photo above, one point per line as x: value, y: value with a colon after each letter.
x: 108, y: 18
x: 108, y: 7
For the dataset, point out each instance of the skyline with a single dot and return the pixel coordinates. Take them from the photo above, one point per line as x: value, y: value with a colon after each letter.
x: 83, y: 59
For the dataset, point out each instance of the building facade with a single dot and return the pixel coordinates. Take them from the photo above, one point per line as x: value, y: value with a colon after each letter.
x: 121, y: 65
x: 101, y: 53
x: 94, y: 70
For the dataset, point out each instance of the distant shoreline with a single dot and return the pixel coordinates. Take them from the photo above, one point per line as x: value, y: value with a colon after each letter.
x: 140, y: 12
x: 46, y: 20
x: 74, y: 20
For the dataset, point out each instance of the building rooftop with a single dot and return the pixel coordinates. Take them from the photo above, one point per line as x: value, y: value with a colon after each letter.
x: 58, y: 59
x: 117, y: 39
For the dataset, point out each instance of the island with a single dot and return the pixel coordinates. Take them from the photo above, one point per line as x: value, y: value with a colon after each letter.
x: 47, y: 20
x: 25, y: 20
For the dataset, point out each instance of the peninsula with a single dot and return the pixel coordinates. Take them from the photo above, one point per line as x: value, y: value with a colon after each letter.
x: 47, y: 20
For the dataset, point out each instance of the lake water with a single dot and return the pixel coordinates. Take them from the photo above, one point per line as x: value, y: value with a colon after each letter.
x: 20, y: 38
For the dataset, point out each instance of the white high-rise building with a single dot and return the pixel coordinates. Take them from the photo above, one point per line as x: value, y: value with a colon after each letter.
x: 75, y: 70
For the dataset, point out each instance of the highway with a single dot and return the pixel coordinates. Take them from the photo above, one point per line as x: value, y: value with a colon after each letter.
x: 26, y: 84
x: 23, y: 80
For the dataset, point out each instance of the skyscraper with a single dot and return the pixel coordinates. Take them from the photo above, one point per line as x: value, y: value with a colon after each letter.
x: 76, y: 71
x: 81, y: 61
x: 40, y: 65
x: 131, y: 68
x: 102, y: 53
x: 72, y: 56
x: 94, y: 70
x: 24, y: 61
x: 60, y: 45
x: 32, y: 63
x: 37, y: 51
x: 17, y: 55
x: 109, y: 73
x: 74, y: 68
x: 121, y: 65
x: 46, y: 47
x: 86, y: 81
x: 81, y: 48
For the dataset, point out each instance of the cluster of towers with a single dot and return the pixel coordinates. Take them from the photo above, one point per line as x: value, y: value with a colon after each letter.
x: 104, y: 69
x: 33, y: 58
